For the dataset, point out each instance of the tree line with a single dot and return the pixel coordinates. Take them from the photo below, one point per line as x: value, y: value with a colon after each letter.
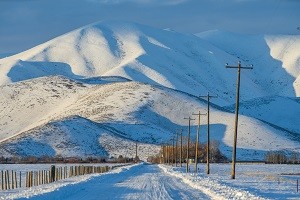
x: 281, y: 157
x: 171, y: 153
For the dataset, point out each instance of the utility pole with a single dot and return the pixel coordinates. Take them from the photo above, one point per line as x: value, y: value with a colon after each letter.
x: 239, y: 67
x: 180, y: 148
x: 188, y: 145
x: 163, y: 154
x: 208, y: 136
x: 197, y: 141
x: 176, y: 150
x: 173, y: 151
x: 168, y: 152
x: 136, y: 152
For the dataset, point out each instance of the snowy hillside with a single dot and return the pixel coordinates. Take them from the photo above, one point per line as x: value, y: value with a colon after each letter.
x: 164, y: 57
x: 74, y: 137
x: 70, y: 137
x: 280, y: 111
x: 132, y: 110
x: 276, y: 58
x: 28, y: 104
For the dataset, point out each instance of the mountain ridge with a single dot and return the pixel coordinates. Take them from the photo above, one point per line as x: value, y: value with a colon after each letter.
x: 141, y: 53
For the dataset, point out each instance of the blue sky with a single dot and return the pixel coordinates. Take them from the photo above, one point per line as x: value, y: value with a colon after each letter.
x: 27, y: 23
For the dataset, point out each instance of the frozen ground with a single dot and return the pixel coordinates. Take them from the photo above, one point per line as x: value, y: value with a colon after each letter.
x: 253, y: 181
x: 144, y: 181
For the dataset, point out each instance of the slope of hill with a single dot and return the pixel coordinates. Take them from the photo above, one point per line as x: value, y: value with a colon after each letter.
x: 141, y: 53
x: 73, y: 137
x: 132, y: 110
x: 280, y: 111
x: 276, y: 58
x: 66, y: 137
x: 27, y: 104
x: 276, y: 61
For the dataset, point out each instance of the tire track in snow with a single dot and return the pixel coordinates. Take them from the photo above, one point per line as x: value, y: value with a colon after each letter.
x: 142, y: 181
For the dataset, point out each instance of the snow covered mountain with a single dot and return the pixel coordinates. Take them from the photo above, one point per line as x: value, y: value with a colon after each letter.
x: 164, y: 57
x: 49, y: 112
x: 277, y: 58
x: 72, y: 118
x: 279, y: 111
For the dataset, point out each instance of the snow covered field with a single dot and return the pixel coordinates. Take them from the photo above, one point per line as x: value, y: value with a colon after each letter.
x: 144, y: 181
x: 253, y: 181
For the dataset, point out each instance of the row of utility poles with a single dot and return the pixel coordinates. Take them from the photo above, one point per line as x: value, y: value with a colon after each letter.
x: 208, y: 97
x: 165, y: 151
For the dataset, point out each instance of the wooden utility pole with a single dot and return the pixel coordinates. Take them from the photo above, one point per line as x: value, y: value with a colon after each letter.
x: 239, y: 67
x: 188, y: 144
x: 163, y: 154
x: 168, y: 152
x: 136, y: 152
x: 197, y: 141
x: 176, y: 150
x: 180, y: 159
x: 208, y: 136
x: 173, y: 151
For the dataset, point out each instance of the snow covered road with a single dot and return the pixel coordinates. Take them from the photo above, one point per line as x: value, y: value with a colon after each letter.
x: 145, y: 181
x: 142, y: 181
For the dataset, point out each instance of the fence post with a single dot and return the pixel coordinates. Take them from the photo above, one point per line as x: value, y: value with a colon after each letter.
x: 31, y: 179
x: 2, y: 180
x: 47, y: 176
x: 26, y: 179
x: 12, y: 180
x: 16, y: 181
x: 8, y: 181
x: 52, y: 175
x: 40, y: 178
x: 20, y: 180
x: 5, y: 181
x: 36, y: 174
